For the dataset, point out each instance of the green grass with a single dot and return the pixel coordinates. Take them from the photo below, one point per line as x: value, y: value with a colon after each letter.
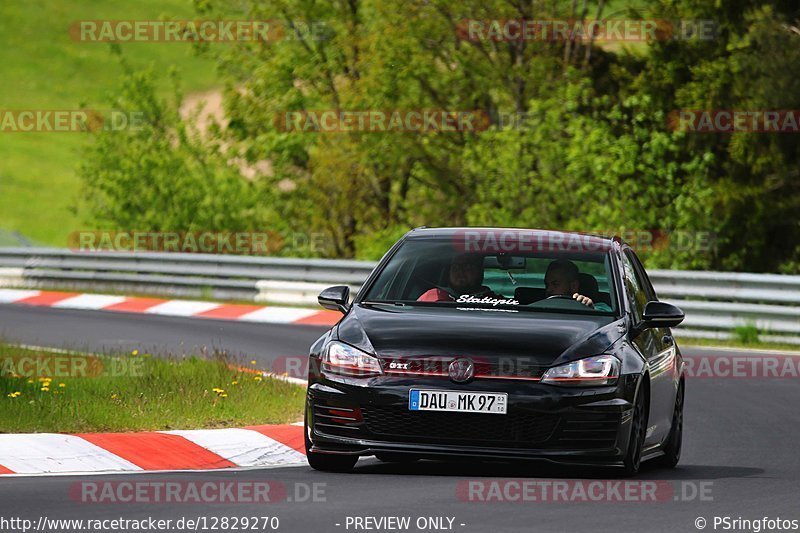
x: 43, y: 68
x: 747, y: 335
x: 136, y: 393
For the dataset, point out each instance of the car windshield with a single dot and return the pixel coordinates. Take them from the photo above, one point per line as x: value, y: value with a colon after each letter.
x: 443, y: 272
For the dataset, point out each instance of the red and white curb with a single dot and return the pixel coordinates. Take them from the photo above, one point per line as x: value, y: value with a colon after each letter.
x: 203, y: 449
x: 181, y: 308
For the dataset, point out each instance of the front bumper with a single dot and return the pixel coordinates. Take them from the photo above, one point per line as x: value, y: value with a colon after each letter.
x: 364, y: 416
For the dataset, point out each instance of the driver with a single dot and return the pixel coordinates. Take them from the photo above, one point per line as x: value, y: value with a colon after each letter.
x: 561, y: 279
x: 466, y: 277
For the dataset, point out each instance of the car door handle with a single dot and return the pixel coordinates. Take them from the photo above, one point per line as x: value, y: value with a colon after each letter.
x: 668, y: 340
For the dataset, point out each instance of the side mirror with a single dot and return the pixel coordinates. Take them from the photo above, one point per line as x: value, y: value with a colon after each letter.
x: 661, y: 315
x: 335, y: 298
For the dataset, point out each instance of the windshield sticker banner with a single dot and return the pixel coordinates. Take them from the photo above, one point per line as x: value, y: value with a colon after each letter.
x: 468, y: 299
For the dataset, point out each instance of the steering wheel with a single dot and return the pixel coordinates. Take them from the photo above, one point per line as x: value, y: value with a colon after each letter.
x: 486, y: 290
x: 559, y: 296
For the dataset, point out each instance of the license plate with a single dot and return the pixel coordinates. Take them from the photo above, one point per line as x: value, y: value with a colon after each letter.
x: 458, y: 401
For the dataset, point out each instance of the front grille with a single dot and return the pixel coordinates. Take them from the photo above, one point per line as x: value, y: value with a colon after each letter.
x: 510, y: 430
x: 484, y: 368
x: 584, y: 430
x: 588, y: 431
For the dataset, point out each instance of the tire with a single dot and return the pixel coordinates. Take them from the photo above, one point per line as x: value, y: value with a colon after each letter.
x: 633, y: 457
x: 388, y: 457
x: 325, y: 462
x: 674, y: 443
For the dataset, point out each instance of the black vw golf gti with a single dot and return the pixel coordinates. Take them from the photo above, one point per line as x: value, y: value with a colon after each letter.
x: 498, y: 344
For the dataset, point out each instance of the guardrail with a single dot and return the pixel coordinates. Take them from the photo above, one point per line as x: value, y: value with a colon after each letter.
x: 715, y: 303
x: 224, y: 277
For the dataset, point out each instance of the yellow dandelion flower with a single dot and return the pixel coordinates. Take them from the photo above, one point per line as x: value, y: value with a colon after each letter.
x: 217, y: 390
x: 62, y: 385
x: 114, y: 396
x: 135, y: 353
x: 45, y: 389
x: 258, y: 378
x: 253, y: 362
x: 234, y: 382
x: 223, y: 395
x: 30, y: 381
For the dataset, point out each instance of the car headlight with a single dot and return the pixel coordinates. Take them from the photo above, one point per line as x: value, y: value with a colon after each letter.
x: 344, y: 359
x: 592, y: 371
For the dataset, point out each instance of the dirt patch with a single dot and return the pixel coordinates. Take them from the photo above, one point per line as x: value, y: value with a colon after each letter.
x: 207, y: 108
x: 207, y: 105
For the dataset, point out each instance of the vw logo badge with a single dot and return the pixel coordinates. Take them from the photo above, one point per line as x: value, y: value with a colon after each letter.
x: 461, y: 370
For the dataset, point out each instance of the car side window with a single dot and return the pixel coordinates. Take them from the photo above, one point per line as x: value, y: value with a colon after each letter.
x: 636, y: 294
x: 644, y: 279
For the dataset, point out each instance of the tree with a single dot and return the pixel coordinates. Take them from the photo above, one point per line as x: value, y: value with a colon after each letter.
x: 160, y: 173
x: 578, y: 135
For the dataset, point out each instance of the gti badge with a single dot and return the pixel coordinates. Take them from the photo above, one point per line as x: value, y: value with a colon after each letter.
x: 461, y: 370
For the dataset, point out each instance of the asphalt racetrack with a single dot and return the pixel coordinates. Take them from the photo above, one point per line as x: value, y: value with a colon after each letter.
x: 741, y: 460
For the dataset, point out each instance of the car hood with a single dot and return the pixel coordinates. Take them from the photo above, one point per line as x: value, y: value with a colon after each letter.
x: 415, y: 331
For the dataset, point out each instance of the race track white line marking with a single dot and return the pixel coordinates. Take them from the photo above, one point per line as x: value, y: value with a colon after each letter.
x: 181, y: 308
x: 242, y: 446
x: 145, y: 472
x: 89, y: 301
x: 277, y: 315
x: 8, y: 296
x: 51, y: 452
